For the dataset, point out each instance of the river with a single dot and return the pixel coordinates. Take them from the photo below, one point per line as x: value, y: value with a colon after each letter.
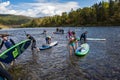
x: 101, y: 63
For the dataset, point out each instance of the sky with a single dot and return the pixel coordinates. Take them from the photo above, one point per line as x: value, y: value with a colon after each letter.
x: 41, y: 8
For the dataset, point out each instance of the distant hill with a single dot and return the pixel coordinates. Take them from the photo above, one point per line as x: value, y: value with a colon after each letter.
x: 13, y: 20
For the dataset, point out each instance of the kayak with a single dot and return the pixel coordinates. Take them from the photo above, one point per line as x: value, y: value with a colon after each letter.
x: 82, y: 50
x: 44, y: 47
x: 58, y: 32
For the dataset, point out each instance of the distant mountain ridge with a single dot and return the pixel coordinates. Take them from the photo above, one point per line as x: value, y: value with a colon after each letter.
x: 9, y: 19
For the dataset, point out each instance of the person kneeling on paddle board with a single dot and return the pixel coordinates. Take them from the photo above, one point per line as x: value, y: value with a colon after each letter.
x: 33, y: 42
x: 48, y: 40
x: 83, y: 37
x: 8, y: 43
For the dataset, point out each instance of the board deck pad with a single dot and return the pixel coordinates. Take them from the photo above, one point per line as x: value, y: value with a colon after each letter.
x: 12, y: 53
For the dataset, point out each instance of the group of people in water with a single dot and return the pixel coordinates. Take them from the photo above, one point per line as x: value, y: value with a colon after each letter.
x: 73, y: 40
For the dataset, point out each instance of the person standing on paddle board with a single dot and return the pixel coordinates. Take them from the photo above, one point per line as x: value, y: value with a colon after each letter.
x: 8, y: 43
x: 83, y: 37
x: 33, y: 42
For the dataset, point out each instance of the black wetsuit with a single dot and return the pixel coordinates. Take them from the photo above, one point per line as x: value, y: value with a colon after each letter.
x: 8, y: 43
x: 83, y: 37
x: 33, y: 42
x: 48, y: 39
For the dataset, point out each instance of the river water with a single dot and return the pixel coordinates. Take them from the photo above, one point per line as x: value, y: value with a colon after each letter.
x: 101, y: 63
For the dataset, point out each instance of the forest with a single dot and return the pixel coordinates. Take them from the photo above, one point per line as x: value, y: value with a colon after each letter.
x: 13, y: 20
x: 100, y: 14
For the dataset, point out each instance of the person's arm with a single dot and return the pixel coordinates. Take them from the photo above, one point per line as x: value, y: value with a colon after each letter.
x: 32, y: 39
x: 12, y: 42
x: 1, y: 44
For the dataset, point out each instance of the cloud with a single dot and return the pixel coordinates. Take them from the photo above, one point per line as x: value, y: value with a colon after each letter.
x: 47, y: 1
x: 102, y: 0
x: 39, y: 9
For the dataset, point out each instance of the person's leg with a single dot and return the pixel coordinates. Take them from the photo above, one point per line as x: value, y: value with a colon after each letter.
x: 84, y: 40
x: 32, y: 46
x: 47, y: 41
x: 76, y: 44
x: 74, y: 47
x: 70, y: 50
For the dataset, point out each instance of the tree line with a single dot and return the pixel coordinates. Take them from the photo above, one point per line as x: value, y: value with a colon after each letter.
x: 100, y: 14
x: 7, y: 19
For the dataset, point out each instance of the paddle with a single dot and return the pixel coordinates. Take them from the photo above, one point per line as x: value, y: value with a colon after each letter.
x: 25, y: 32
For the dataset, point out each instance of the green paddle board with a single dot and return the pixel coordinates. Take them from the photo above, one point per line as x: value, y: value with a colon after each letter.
x: 12, y: 53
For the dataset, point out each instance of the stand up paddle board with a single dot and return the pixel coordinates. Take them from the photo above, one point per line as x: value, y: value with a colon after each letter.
x: 44, y: 47
x: 96, y: 39
x: 12, y: 53
x: 82, y: 50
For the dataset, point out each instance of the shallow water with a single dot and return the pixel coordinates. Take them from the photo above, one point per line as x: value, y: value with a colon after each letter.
x: 101, y: 63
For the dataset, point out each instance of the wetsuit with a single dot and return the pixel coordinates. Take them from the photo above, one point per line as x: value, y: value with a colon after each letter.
x: 83, y: 37
x: 33, y: 42
x: 48, y: 39
x: 57, y: 30
x: 8, y: 43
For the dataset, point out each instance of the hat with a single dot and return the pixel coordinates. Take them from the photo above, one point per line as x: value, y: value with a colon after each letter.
x: 27, y: 34
x: 3, y: 36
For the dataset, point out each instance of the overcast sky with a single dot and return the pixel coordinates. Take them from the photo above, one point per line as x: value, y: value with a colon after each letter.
x: 41, y: 8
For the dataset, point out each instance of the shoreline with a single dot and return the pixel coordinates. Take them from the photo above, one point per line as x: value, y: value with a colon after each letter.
x: 18, y: 26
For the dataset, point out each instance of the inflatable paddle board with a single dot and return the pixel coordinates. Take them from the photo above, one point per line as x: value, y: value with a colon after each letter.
x: 12, y: 53
x: 82, y: 50
x: 43, y: 47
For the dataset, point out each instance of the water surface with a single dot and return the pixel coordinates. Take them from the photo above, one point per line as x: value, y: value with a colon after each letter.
x: 101, y: 63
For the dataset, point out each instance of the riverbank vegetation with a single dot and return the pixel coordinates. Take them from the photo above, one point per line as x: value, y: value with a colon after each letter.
x: 7, y: 20
x: 100, y: 14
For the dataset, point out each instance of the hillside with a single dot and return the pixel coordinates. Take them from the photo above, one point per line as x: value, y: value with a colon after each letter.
x: 100, y: 14
x: 13, y: 20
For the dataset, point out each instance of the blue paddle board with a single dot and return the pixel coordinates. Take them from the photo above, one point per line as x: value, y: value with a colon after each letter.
x: 48, y: 46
